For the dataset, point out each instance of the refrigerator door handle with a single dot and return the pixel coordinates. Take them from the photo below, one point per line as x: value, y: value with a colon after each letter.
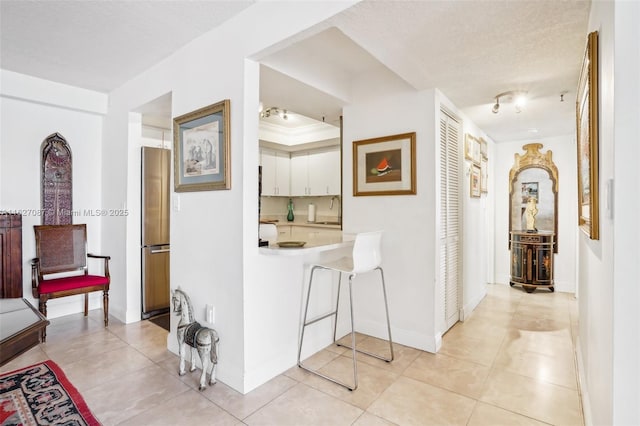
x: 160, y: 251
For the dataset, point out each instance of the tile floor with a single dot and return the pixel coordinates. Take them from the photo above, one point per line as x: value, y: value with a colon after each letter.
x: 510, y: 363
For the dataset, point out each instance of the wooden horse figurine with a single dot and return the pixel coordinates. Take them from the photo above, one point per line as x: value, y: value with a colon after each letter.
x: 190, y: 333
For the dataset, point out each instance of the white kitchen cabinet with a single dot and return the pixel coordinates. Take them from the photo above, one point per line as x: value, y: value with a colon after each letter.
x: 316, y: 172
x: 275, y: 172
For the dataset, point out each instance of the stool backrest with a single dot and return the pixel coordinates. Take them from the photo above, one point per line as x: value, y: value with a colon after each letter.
x: 268, y: 232
x: 367, y: 254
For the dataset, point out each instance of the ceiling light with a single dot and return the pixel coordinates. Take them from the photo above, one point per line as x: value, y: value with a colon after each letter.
x: 519, y: 99
x: 496, y: 107
x: 276, y: 112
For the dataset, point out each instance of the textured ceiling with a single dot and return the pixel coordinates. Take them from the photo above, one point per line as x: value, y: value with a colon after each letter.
x: 470, y: 50
x: 99, y: 45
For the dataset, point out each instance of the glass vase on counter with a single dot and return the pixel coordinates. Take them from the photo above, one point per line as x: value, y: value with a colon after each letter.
x: 290, y: 216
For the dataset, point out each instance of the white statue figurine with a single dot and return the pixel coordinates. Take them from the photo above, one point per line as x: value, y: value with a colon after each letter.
x: 530, y: 214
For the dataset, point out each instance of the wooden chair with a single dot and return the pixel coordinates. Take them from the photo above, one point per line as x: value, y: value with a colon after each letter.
x: 63, y: 249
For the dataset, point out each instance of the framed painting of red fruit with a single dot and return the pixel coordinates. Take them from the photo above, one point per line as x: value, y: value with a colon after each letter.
x: 385, y: 165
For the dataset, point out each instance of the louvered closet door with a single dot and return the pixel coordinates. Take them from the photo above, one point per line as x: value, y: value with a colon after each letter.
x: 450, y: 260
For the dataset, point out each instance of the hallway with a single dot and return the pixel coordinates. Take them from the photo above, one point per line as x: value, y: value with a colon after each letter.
x: 510, y: 363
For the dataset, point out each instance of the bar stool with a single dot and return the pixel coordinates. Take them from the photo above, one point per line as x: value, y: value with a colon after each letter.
x: 366, y: 257
x: 268, y: 232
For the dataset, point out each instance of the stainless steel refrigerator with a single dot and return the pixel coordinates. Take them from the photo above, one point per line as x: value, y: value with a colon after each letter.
x: 155, y: 231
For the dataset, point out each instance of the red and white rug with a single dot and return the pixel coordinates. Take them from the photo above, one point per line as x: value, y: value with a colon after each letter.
x: 41, y: 395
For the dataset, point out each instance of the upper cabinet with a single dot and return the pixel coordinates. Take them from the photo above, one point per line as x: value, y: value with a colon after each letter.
x: 275, y: 172
x: 316, y: 172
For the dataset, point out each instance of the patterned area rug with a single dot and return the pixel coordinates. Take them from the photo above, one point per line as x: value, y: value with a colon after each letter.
x: 41, y: 395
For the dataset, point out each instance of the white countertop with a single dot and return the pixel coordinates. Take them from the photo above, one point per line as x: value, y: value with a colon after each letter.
x: 316, y: 244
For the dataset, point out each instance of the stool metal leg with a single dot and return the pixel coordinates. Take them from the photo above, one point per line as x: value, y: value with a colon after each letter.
x: 306, y: 323
x: 353, y: 332
x: 386, y: 307
x: 335, y: 322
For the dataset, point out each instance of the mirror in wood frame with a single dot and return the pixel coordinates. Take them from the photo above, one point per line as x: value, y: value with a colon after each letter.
x: 534, y: 175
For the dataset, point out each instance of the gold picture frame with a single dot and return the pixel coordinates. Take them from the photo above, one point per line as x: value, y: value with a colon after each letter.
x: 484, y: 176
x: 474, y: 181
x: 385, y: 165
x: 202, y: 146
x: 469, y: 142
x: 587, y: 137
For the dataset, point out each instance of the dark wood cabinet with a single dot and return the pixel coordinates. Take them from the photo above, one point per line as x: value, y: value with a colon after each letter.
x: 11, y: 255
x: 532, y: 260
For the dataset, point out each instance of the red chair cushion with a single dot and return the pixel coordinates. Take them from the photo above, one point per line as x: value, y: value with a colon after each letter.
x: 71, y: 283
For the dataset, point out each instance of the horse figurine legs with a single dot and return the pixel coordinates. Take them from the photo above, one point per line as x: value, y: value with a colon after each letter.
x: 207, y: 345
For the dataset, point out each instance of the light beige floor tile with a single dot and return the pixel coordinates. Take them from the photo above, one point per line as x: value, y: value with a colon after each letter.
x: 403, y: 355
x: 302, y: 405
x: 548, y: 368
x: 91, y: 345
x: 541, y: 342
x: 188, y: 408
x: 90, y: 372
x: 131, y: 394
x: 411, y: 402
x: 367, y: 419
x: 241, y: 405
x: 533, y: 398
x: 314, y: 362
x: 372, y: 381
x: 463, y: 377
x: 488, y: 415
x: 34, y: 355
x: 474, y: 327
x: 479, y: 349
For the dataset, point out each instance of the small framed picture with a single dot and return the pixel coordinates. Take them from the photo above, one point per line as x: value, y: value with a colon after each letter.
x: 483, y: 148
x: 385, y: 165
x: 201, y: 149
x: 469, y: 142
x: 475, y: 181
x: 484, y: 176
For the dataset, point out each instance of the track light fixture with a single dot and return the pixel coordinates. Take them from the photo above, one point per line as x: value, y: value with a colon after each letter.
x: 519, y: 99
x: 274, y: 111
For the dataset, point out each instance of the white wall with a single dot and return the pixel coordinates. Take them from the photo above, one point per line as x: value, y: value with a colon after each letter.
x: 409, y: 254
x: 33, y: 109
x: 564, y: 157
x: 626, y: 299
x: 595, y: 257
x: 213, y: 235
x: 609, y: 337
x: 478, y: 227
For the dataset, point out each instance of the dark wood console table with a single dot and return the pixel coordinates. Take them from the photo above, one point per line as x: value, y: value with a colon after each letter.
x: 532, y: 260
x: 21, y: 327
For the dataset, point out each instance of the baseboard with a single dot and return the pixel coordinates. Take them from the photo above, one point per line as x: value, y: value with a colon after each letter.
x: 468, y: 308
x: 582, y: 388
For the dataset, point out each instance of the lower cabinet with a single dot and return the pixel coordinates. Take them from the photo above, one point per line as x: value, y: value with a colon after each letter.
x: 532, y: 260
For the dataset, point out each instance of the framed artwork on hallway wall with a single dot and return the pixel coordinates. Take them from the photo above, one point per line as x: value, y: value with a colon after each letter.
x: 385, y: 165
x: 587, y: 137
x: 202, y: 149
x: 475, y: 181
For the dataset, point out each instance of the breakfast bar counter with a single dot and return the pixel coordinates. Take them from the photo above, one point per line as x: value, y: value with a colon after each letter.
x: 316, y: 243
